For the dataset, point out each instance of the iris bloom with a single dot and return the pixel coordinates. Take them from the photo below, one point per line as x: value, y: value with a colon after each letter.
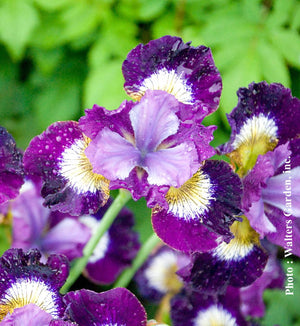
x: 57, y: 156
x: 170, y: 65
x: 145, y: 147
x: 11, y: 168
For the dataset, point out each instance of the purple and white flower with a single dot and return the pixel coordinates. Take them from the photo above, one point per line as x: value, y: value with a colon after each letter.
x: 145, y: 147
x: 57, y: 156
x: 170, y: 65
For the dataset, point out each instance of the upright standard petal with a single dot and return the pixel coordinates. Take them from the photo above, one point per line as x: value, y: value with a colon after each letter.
x: 11, y: 167
x: 70, y: 185
x: 170, y: 65
x: 264, y: 118
x: 201, y: 210
x: 149, y: 149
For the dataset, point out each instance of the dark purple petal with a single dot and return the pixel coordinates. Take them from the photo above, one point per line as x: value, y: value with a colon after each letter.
x: 23, y: 278
x: 252, y: 303
x: 114, y: 307
x: 264, y: 117
x: 29, y: 315
x: 201, y: 210
x: 168, y: 64
x: 57, y: 155
x: 11, y: 168
x: 228, y: 264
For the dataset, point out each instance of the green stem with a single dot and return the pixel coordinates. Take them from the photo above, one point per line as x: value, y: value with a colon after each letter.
x: 103, y: 226
x: 142, y: 255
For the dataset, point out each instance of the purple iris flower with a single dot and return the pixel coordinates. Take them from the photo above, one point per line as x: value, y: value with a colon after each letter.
x: 11, y: 167
x: 25, y: 280
x: 168, y: 64
x: 145, y: 147
x: 69, y: 184
x: 33, y: 226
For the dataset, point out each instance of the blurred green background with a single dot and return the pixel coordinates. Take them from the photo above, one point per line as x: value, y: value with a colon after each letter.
x: 58, y: 57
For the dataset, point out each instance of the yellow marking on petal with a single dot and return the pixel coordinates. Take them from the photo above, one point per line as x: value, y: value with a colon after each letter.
x: 78, y: 170
x: 26, y: 291
x: 257, y: 136
x: 245, y: 237
x: 192, y: 199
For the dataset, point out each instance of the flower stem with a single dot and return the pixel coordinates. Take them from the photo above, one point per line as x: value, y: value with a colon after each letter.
x: 104, y: 225
x: 140, y: 258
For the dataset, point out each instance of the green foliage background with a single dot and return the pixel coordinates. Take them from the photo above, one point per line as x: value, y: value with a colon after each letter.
x: 59, y: 57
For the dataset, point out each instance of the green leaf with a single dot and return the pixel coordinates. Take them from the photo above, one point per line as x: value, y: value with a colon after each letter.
x: 288, y: 43
x: 281, y: 13
x: 5, y: 237
x: 115, y: 40
x: 53, y: 4
x: 104, y: 86
x: 59, y: 101
x: 295, y: 19
x: 143, y: 10
x: 18, y: 18
x: 80, y: 19
x: 272, y: 64
x: 246, y: 70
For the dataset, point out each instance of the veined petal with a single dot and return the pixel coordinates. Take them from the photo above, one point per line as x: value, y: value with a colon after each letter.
x: 168, y: 64
x: 70, y: 185
x: 163, y: 166
x: 201, y: 210
x: 153, y: 120
x: 112, y: 154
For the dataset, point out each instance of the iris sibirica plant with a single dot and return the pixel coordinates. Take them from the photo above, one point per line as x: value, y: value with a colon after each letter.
x: 219, y: 225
